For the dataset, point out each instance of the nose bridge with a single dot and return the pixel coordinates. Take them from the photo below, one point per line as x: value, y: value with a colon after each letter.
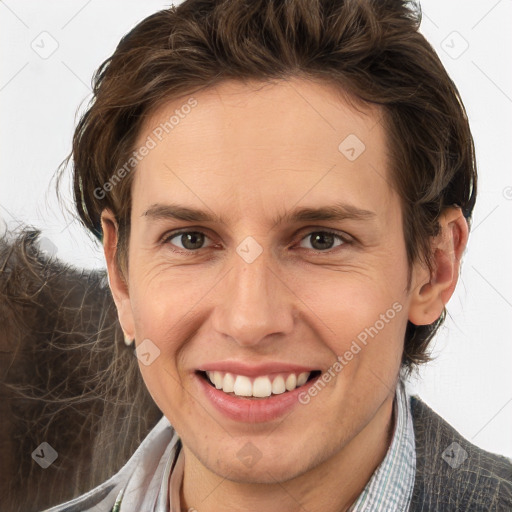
x: 253, y: 301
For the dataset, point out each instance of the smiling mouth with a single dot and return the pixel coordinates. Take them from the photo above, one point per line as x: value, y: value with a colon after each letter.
x: 260, y: 387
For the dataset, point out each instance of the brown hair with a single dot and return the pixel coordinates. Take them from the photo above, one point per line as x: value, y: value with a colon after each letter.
x: 371, y: 50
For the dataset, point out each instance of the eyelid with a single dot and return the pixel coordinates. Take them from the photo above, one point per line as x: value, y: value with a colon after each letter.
x: 345, y: 240
x: 172, y: 234
x: 318, y: 229
x: 308, y: 231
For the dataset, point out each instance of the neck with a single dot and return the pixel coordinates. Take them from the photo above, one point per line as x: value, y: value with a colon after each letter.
x: 331, y: 486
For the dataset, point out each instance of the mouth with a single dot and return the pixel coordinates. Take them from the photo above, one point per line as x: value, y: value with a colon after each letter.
x: 257, y: 388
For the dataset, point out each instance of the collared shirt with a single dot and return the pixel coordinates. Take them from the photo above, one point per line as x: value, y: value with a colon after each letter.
x: 392, y: 483
x: 143, y: 482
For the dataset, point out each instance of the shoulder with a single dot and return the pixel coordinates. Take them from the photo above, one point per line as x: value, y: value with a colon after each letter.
x: 137, y: 478
x: 451, y: 472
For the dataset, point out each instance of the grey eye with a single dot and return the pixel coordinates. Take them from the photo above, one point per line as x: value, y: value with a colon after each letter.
x: 322, y: 240
x: 190, y: 240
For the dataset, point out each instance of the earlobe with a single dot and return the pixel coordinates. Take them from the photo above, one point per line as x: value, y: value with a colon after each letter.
x: 433, y: 291
x: 117, y: 281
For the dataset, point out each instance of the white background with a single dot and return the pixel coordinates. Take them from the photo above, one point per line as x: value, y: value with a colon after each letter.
x: 469, y: 383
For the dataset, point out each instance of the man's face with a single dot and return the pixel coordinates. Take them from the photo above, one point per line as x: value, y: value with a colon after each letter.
x: 258, y: 292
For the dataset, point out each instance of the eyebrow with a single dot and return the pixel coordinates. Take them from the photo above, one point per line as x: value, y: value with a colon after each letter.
x: 335, y: 212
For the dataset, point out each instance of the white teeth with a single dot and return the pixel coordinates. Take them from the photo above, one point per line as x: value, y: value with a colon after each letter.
x: 278, y: 386
x: 229, y: 383
x: 291, y: 382
x: 260, y: 387
x: 243, y: 386
x: 302, y: 378
x: 217, y: 379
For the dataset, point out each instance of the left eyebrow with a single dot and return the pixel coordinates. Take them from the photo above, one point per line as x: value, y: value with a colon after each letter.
x: 335, y: 212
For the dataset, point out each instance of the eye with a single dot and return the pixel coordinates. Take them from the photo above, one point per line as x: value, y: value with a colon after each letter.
x: 190, y: 240
x: 323, y: 240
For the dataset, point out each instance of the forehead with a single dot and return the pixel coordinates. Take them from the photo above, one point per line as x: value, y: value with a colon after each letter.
x: 263, y: 146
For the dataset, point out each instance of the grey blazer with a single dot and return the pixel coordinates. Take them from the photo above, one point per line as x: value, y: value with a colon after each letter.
x: 481, y: 483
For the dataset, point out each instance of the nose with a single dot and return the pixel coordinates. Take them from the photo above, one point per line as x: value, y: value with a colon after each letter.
x: 255, y: 305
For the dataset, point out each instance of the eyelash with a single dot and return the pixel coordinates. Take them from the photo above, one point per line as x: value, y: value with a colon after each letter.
x: 173, y: 234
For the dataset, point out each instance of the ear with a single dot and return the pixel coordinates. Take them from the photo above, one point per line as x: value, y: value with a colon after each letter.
x: 432, y: 291
x: 117, y: 282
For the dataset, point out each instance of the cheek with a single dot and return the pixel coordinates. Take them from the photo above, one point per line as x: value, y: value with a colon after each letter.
x: 163, y: 297
x: 355, y: 296
x: 167, y: 310
x: 360, y: 317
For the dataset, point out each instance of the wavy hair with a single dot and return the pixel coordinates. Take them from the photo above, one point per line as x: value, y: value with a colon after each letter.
x: 370, y: 49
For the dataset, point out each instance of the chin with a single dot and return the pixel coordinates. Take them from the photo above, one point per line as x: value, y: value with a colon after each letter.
x: 237, y: 466
x: 263, y: 472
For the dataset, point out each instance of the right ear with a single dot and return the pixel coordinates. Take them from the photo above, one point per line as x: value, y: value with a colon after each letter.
x: 117, y: 282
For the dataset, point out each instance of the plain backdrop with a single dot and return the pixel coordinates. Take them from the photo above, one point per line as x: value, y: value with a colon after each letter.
x: 49, y: 51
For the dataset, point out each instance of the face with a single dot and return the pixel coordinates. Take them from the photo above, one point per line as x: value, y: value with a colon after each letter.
x: 235, y: 267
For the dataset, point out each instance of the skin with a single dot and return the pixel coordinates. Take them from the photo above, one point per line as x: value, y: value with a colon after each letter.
x: 249, y: 152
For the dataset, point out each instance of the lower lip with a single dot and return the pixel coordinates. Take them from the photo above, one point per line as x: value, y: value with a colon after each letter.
x: 256, y: 410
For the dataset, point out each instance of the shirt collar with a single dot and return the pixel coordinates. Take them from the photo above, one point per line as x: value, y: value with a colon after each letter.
x: 392, y: 483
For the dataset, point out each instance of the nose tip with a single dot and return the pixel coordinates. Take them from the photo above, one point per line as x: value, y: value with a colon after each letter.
x: 253, y: 304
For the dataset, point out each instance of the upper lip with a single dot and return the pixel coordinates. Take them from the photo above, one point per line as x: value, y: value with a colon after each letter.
x: 240, y: 368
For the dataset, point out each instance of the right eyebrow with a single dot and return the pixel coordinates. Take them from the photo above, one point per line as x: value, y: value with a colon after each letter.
x: 180, y: 212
